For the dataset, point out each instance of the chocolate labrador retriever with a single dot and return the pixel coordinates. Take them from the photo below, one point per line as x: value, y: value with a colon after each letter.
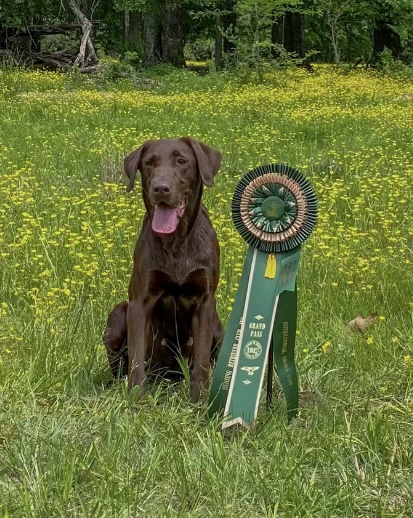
x: 171, y: 309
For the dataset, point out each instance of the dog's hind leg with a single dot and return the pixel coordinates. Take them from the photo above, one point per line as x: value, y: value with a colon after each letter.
x: 115, y: 340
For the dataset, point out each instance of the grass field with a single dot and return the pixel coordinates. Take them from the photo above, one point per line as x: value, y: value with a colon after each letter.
x: 73, y: 446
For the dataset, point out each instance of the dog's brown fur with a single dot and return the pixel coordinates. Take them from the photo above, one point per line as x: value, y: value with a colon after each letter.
x: 171, y: 309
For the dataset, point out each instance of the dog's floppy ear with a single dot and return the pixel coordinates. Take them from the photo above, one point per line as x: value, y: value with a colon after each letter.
x: 131, y: 164
x: 208, y: 159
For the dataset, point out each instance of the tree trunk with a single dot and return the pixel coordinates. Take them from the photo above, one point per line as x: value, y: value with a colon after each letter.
x: 332, y: 24
x: 348, y: 43
x: 218, y: 42
x: 384, y: 36
x: 152, y: 42
x: 229, y: 24
x: 173, y: 34
x: 277, y: 30
x: 126, y: 26
x: 277, y: 34
x: 87, y: 52
x: 132, y: 30
x: 288, y: 30
x: 294, y: 33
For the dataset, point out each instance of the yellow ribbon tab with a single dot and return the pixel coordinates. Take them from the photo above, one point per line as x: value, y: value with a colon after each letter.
x: 271, y: 268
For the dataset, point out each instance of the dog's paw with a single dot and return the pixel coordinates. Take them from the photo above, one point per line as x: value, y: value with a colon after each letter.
x: 136, y: 392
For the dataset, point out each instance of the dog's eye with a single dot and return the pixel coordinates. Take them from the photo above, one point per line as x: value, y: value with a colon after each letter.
x: 181, y: 161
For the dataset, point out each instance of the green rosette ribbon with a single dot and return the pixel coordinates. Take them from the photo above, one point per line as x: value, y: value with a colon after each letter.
x: 274, y: 208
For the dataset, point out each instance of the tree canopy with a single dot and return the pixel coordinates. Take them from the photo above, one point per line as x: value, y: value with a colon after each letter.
x: 229, y: 31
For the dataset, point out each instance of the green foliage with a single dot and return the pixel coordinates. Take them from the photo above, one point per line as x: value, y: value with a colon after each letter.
x: 114, y: 68
x: 338, y: 30
x: 255, y: 62
x: 200, y: 49
x: 132, y: 58
x: 389, y: 65
x: 164, y: 70
x: 11, y: 60
x: 55, y: 42
x: 131, y: 5
x: 23, y: 13
x: 255, y: 52
x: 348, y: 25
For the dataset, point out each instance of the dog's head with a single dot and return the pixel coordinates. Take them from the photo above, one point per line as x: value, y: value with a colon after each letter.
x: 172, y: 174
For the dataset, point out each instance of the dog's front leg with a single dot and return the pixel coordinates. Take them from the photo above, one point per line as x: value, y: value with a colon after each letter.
x: 202, y: 333
x: 137, y: 320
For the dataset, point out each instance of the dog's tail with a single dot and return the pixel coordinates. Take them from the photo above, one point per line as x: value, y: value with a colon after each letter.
x: 115, y: 340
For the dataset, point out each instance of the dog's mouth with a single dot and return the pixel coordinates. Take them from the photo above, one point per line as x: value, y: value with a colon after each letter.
x: 166, y: 218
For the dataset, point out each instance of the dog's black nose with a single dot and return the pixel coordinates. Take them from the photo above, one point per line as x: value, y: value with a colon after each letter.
x: 161, y: 187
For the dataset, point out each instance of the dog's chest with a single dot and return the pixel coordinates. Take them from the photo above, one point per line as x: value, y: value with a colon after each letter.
x: 184, y: 282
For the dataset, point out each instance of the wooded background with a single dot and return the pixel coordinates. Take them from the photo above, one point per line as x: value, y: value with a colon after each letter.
x: 228, y: 31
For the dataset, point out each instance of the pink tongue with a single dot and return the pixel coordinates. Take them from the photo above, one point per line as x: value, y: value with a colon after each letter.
x: 165, y: 219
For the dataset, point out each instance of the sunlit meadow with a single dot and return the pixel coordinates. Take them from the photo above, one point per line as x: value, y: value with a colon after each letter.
x: 74, y: 445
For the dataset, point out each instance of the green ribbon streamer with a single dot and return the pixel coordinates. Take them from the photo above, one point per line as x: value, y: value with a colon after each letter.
x: 285, y: 327
x: 225, y: 363
x: 258, y: 312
